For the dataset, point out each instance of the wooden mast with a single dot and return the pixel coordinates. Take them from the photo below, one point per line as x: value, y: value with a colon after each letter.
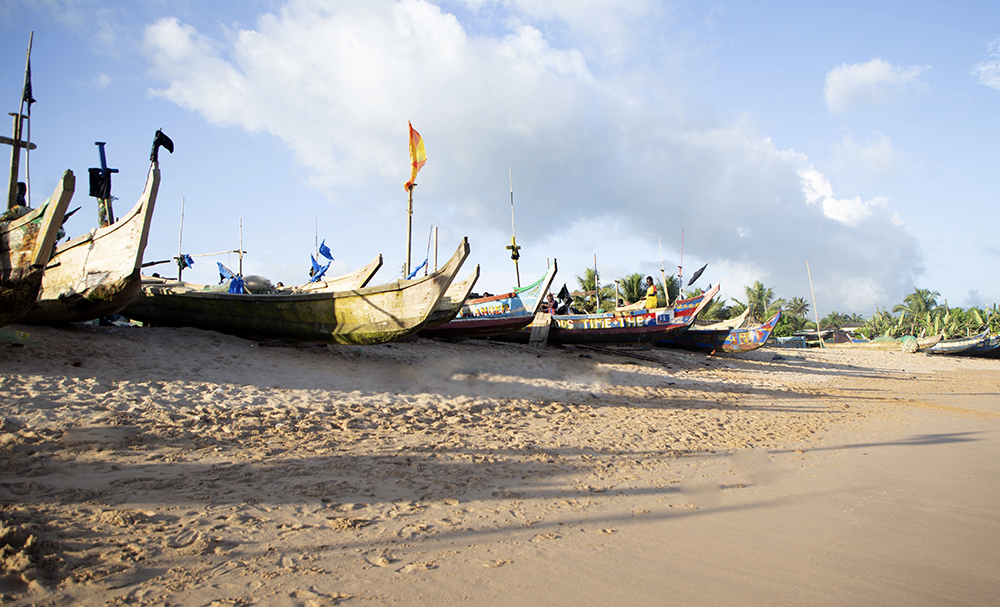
x: 16, y: 143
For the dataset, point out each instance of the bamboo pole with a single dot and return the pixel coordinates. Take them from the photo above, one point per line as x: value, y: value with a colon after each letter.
x: 815, y: 309
x: 15, y: 152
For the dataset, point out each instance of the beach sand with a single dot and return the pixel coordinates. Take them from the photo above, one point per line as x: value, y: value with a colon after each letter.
x: 160, y: 466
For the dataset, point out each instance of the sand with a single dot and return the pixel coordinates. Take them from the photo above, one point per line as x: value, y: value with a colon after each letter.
x: 158, y: 466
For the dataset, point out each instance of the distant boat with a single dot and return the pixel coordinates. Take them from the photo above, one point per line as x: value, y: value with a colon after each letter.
x: 451, y: 304
x: 621, y: 328
x: 99, y: 273
x: 721, y: 338
x: 496, y: 314
x: 987, y: 348
x: 369, y: 315
x: 27, y: 238
x: 957, y: 346
x: 353, y: 280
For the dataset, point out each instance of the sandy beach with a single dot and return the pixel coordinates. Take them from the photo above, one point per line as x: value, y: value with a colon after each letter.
x: 161, y: 466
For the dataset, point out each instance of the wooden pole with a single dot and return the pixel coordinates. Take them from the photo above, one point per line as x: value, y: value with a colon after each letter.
x: 435, y: 249
x: 515, y: 253
x: 15, y: 153
x: 815, y: 309
x: 597, y: 288
x: 409, y: 230
x: 241, y: 247
x: 180, y: 240
x: 663, y: 272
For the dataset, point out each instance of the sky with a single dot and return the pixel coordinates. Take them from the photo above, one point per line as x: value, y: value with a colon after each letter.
x: 844, y: 153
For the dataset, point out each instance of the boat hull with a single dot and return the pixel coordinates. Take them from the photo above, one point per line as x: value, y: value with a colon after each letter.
x: 957, y: 346
x: 722, y: 340
x: 370, y: 315
x: 620, y: 328
x: 496, y: 314
x: 97, y: 274
x: 26, y: 245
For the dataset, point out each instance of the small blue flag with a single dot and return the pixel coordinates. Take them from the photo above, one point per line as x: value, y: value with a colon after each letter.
x: 317, y: 271
x: 325, y: 250
x: 414, y: 273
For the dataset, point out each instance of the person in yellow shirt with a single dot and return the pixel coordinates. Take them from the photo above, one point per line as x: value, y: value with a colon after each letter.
x: 650, y: 293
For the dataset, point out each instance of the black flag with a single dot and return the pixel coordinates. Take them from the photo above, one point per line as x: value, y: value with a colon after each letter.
x: 160, y: 139
x: 27, y: 88
x: 697, y: 274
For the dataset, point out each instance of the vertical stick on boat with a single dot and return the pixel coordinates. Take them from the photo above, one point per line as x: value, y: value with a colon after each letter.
x: 180, y: 240
x: 16, y: 143
x: 515, y: 251
x: 815, y: 309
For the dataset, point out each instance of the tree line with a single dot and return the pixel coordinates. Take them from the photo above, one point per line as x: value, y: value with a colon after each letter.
x: 918, y: 314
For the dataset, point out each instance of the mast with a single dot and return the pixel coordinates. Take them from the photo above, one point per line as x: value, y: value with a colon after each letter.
x: 515, y: 251
x: 180, y: 239
x: 15, y: 142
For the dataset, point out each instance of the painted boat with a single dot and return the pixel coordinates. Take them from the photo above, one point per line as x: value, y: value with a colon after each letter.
x: 26, y: 243
x: 987, y: 348
x: 713, y: 338
x: 357, y: 279
x: 452, y: 302
x: 621, y: 328
x: 369, y: 315
x: 98, y: 273
x: 957, y: 346
x: 497, y: 314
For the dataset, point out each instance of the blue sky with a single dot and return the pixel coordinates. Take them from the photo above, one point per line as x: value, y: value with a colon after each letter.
x: 858, y: 137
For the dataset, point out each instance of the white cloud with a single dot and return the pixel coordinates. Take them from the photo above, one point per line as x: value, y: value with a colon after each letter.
x: 875, y: 82
x: 817, y: 190
x: 988, y: 70
x: 601, y: 165
x: 875, y: 157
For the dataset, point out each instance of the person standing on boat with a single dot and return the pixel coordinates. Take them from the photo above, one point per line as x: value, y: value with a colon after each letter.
x: 650, y: 293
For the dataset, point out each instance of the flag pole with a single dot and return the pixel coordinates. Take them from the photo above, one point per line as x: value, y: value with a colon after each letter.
x: 663, y: 272
x: 409, y: 229
x: 16, y: 144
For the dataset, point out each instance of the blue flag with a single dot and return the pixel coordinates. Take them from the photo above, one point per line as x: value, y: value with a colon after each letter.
x: 414, y: 273
x: 185, y: 261
x: 317, y: 271
x: 325, y: 250
x: 235, y: 282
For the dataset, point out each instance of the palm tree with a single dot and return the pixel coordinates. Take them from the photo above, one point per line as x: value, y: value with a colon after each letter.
x: 589, y: 284
x: 917, y: 304
x: 797, y: 307
x: 633, y: 287
x: 761, y: 301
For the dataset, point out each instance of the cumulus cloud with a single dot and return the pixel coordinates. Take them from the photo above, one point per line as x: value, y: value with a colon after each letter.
x: 988, y: 70
x: 876, y: 157
x: 601, y: 164
x: 875, y: 82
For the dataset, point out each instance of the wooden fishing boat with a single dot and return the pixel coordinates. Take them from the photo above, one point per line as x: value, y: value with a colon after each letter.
x: 369, y: 315
x: 987, y: 348
x: 357, y: 279
x: 27, y: 238
x: 622, y: 328
x: 957, y: 346
x: 98, y: 273
x: 722, y: 338
x: 452, y: 302
x: 496, y: 314
x: 926, y: 342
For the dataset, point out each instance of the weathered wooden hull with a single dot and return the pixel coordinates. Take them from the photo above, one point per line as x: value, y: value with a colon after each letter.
x: 26, y: 244
x: 370, y: 315
x: 357, y: 279
x: 97, y: 274
x: 722, y: 340
x: 497, y: 314
x: 620, y: 328
x: 452, y: 302
x: 957, y: 346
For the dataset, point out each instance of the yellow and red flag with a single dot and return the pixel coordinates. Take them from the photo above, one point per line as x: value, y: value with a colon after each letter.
x: 418, y: 156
